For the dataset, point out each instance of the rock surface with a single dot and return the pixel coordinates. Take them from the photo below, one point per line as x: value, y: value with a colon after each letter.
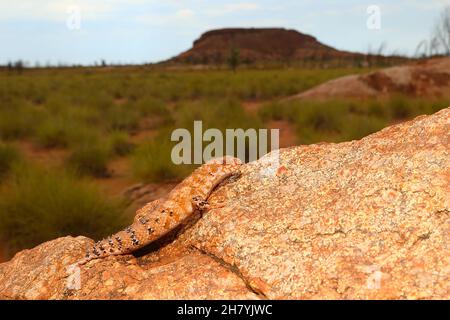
x: 365, y: 219
x: 424, y: 78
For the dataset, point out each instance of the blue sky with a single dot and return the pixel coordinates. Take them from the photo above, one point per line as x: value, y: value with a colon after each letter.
x: 136, y: 31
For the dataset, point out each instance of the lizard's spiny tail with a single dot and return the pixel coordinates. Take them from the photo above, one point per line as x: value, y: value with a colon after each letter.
x: 115, y: 244
x: 160, y: 218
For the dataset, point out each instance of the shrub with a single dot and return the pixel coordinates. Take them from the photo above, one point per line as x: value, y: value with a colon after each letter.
x: 90, y: 159
x: 358, y: 127
x: 119, y: 144
x: 17, y: 123
x: 37, y: 205
x: 325, y: 117
x: 272, y: 111
x: 400, y: 108
x: 152, y: 161
x: 53, y: 133
x: 151, y: 107
x: 435, y: 106
x: 64, y: 132
x: 223, y: 114
x: 122, y: 117
x: 8, y: 157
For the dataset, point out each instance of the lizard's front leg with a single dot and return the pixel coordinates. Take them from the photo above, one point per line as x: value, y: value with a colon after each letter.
x: 200, y: 203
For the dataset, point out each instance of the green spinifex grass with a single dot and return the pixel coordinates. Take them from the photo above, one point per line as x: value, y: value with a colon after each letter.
x: 152, y: 160
x: 37, y: 205
x: 8, y: 157
x: 66, y: 107
x: 99, y: 88
x: 90, y: 158
x: 342, y: 120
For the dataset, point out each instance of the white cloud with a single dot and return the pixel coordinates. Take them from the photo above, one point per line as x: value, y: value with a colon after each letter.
x: 232, y: 8
x: 246, y: 6
x: 181, y: 17
x: 262, y: 23
x: 185, y: 13
x: 429, y: 4
x: 205, y: 15
x: 57, y: 10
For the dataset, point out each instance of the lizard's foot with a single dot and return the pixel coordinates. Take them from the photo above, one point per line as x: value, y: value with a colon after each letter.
x: 199, y: 203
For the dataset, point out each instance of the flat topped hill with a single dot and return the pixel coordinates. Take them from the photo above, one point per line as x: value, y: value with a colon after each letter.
x: 258, y: 45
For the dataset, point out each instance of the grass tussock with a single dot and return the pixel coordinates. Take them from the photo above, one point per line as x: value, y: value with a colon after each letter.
x: 9, y: 156
x: 122, y: 117
x: 119, y: 144
x: 343, y: 120
x: 152, y: 161
x: 90, y: 159
x: 61, y: 133
x: 221, y: 114
x: 70, y: 108
x: 38, y: 205
x: 18, y: 122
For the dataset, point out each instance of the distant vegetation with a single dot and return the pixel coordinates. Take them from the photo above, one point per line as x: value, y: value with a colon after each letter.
x: 37, y: 205
x: 343, y: 120
x: 94, y: 114
x: 96, y: 118
x: 439, y: 41
x: 8, y: 157
x: 234, y: 58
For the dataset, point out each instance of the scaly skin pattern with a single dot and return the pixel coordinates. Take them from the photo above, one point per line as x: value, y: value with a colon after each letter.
x: 159, y: 217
